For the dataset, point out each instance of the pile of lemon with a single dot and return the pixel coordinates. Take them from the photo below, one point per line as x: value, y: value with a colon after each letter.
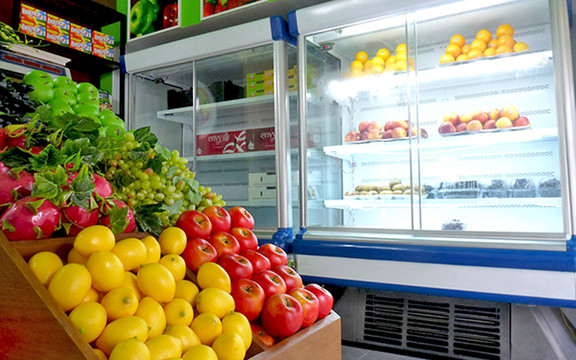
x: 383, y: 61
x: 483, y: 45
x: 130, y: 300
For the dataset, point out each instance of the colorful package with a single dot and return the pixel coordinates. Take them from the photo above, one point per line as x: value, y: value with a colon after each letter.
x: 32, y: 21
x: 57, y: 30
x: 80, y: 38
x: 102, y: 45
x: 221, y: 143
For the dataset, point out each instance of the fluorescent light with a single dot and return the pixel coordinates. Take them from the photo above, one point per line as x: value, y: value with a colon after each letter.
x: 445, y: 11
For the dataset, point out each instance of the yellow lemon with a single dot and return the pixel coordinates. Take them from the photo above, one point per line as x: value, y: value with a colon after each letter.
x: 401, y: 65
x: 446, y: 58
x: 185, y: 334
x: 378, y: 61
x: 100, y: 354
x: 178, y: 311
x: 507, y: 40
x: 462, y: 57
x: 92, y: 295
x: 75, y: 257
x: 122, y: 329
x: 493, y: 43
x: 453, y: 50
x: 356, y: 66
x: 361, y: 56
x: 172, y: 240
x: 391, y: 60
x: 120, y: 302
x: 175, y: 264
x: 474, y: 54
x: 200, y: 352
x: 503, y: 49
x: 106, y: 269
x: 131, y: 251
x: 153, y: 314
x: 207, y: 327
x: 504, y: 29
x: 458, y: 40
x: 368, y: 66
x: 377, y: 69
x: 156, y: 281
x: 213, y: 275
x: 465, y: 49
x: 520, y: 46
x: 187, y: 290
x: 69, y: 285
x: 401, y: 47
x: 478, y: 44
x: 130, y: 283
x: 44, y: 265
x: 383, y: 53
x: 153, y: 249
x: 229, y: 346
x: 130, y: 349
x: 484, y: 35
x: 215, y: 301
x: 490, y: 52
x: 93, y: 238
x: 163, y: 347
x: 238, y: 323
x: 90, y: 319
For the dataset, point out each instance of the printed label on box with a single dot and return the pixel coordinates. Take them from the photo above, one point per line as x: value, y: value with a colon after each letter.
x: 57, y: 30
x: 261, y: 139
x: 102, y: 45
x: 80, y: 38
x: 221, y: 143
x: 32, y: 21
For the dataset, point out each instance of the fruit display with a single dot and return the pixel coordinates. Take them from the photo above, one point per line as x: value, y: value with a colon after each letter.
x: 485, y: 44
x: 372, y: 130
x: 132, y: 298
x: 394, y: 187
x: 383, y: 61
x: 479, y: 120
x: 14, y: 101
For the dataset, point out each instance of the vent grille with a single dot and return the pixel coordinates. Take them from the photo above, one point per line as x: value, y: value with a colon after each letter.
x: 446, y: 327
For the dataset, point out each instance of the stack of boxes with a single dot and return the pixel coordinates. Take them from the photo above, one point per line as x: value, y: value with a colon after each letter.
x: 262, y: 186
x: 262, y: 83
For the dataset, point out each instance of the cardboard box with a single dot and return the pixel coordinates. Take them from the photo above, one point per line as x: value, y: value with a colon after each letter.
x: 261, y: 193
x: 32, y: 21
x: 228, y: 142
x: 261, y: 139
x: 57, y: 30
x: 263, y: 178
x: 80, y: 38
x: 102, y: 45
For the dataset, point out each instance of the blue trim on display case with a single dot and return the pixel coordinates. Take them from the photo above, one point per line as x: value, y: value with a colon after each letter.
x: 292, y: 23
x: 279, y: 29
x: 283, y: 238
x: 443, y: 292
x: 498, y: 258
x: 123, y: 64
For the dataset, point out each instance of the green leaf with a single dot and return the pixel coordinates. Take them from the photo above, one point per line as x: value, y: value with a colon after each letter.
x: 34, y: 205
x: 193, y: 194
x: 174, y: 208
x: 140, y: 153
x: 122, y: 180
x: 49, y: 185
x: 118, y: 221
x: 16, y: 158
x: 143, y: 135
x: 154, y: 164
x: 162, y: 153
x: 82, y: 188
x: 78, y: 127
x: 148, y: 219
x: 7, y: 226
x: 48, y: 159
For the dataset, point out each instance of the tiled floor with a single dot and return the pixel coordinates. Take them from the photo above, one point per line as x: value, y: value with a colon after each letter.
x: 355, y: 353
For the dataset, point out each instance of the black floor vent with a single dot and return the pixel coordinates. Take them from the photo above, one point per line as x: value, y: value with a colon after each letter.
x: 446, y: 327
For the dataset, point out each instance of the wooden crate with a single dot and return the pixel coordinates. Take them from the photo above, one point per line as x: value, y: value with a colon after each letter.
x: 33, y: 326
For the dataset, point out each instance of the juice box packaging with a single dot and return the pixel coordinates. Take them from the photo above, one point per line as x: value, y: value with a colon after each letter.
x: 57, y: 30
x: 228, y: 142
x: 102, y: 45
x: 32, y: 21
x: 80, y: 38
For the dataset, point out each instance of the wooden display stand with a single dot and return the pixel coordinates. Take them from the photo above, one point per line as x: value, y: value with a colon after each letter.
x: 32, y: 326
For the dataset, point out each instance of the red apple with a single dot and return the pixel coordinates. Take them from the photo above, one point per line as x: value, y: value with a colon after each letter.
x: 474, y: 125
x: 290, y: 276
x: 224, y: 243
x: 270, y: 282
x: 246, y: 238
x: 195, y: 224
x: 237, y: 266
x: 495, y: 114
x: 241, y: 218
x: 387, y: 134
x: 324, y: 298
x: 466, y: 117
x: 374, y: 125
x: 282, y: 315
x: 197, y: 252
x: 399, y: 132
x: 452, y: 117
x: 259, y: 262
x: 461, y: 127
x: 490, y: 124
x: 274, y: 253
x: 266, y: 338
x: 219, y: 218
x: 374, y: 134
x: 510, y: 112
x: 363, y: 126
x: 352, y: 136
x: 400, y: 123
x: 504, y: 122
x: 522, y: 121
x: 481, y: 116
x: 248, y: 298
x: 447, y: 128
x: 364, y: 135
x: 389, y: 125
x: 310, y: 305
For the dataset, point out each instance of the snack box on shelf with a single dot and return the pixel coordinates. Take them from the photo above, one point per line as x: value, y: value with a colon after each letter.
x: 466, y: 189
x: 38, y: 328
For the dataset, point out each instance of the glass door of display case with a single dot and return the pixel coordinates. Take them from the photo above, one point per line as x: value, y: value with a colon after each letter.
x: 440, y: 125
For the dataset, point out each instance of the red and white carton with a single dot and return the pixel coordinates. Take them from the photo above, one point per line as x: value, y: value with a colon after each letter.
x: 228, y: 142
x: 261, y: 139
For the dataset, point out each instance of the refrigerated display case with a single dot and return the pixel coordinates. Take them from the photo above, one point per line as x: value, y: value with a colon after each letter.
x: 443, y: 174
x: 223, y: 100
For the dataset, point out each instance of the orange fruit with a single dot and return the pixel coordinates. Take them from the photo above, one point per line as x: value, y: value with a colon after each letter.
x: 378, y: 69
x: 356, y: 66
x: 504, y: 29
x: 490, y: 52
x: 361, y: 56
x: 503, y: 49
x: 493, y: 43
x: 401, y: 47
x: 453, y: 50
x: 478, y: 44
x: 462, y: 57
x: 474, y: 54
x: 447, y: 58
x: 391, y: 60
x: 377, y: 61
x: 383, y: 53
x: 520, y: 46
x: 465, y: 49
x: 484, y: 35
x: 401, y: 65
x: 458, y: 40
x: 507, y: 40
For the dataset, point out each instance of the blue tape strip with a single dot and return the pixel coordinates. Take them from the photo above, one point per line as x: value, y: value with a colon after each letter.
x: 284, y: 238
x: 570, y: 17
x: 279, y: 29
x: 123, y: 64
x: 500, y: 258
x: 443, y: 292
x: 293, y: 23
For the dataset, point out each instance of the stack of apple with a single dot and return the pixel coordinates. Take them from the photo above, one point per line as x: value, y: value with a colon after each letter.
x: 372, y: 130
x: 265, y: 289
x: 506, y: 117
